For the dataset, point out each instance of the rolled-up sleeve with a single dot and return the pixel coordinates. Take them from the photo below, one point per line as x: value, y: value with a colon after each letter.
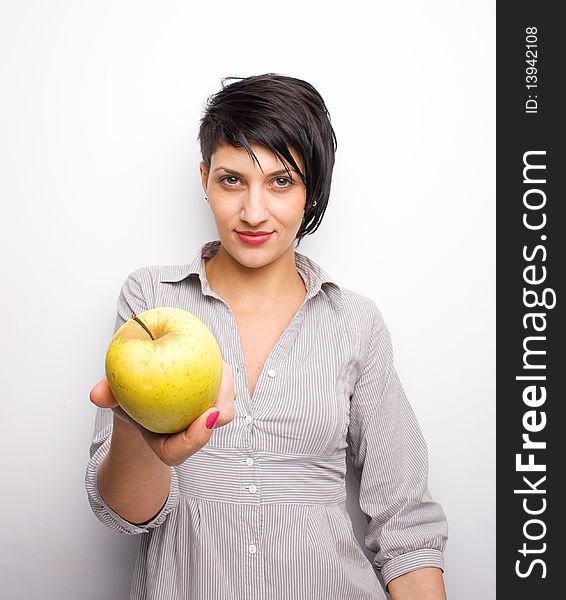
x: 130, y: 301
x: 406, y: 530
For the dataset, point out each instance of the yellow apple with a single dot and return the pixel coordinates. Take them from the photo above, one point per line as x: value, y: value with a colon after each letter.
x: 164, y: 368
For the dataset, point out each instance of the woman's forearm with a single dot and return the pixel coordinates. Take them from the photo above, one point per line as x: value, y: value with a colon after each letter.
x: 422, y: 584
x: 131, y: 479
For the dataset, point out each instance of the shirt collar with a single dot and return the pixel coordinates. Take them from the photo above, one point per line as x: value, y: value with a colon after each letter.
x: 315, y: 278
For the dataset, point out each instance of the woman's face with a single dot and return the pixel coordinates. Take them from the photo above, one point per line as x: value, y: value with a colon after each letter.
x: 257, y: 214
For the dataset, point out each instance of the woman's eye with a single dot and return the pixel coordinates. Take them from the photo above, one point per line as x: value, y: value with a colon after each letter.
x: 279, y: 182
x: 283, y: 182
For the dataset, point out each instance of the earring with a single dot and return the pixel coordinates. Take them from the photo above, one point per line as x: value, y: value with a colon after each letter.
x: 314, y: 203
x: 206, y: 198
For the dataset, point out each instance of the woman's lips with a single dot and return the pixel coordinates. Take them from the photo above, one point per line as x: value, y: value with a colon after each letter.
x: 254, y: 238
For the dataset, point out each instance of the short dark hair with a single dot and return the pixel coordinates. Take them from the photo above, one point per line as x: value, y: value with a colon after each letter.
x: 278, y: 112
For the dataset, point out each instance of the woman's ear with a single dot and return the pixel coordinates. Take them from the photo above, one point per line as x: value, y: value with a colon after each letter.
x: 203, y: 176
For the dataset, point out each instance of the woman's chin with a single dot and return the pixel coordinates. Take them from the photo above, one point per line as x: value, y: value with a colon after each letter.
x: 255, y: 256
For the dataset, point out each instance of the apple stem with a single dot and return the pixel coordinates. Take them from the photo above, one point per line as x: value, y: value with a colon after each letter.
x: 135, y: 318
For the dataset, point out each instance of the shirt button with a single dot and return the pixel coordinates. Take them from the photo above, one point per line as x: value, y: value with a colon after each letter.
x: 249, y: 462
x: 248, y: 419
x: 271, y: 373
x: 253, y: 489
x: 252, y: 548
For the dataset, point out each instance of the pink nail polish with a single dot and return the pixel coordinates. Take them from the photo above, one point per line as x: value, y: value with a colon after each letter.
x: 212, y: 418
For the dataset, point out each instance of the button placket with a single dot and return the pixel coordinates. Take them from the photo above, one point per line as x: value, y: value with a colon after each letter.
x: 252, y: 488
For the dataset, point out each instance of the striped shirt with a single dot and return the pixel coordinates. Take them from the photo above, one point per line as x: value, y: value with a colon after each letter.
x: 259, y: 513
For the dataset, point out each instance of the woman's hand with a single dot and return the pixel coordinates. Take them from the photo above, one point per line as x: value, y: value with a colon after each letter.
x: 174, y: 449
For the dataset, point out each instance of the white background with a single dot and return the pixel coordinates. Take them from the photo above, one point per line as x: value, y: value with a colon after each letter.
x: 100, y: 104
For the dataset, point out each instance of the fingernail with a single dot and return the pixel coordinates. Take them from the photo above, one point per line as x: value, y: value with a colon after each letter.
x: 212, y: 418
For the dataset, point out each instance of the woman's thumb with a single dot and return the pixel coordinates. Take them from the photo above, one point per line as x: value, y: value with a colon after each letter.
x: 200, y: 430
x: 211, y: 418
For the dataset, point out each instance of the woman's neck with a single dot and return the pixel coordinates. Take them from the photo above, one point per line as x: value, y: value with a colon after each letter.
x: 260, y: 288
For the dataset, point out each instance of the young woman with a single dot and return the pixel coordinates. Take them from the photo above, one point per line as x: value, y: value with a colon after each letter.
x: 249, y: 501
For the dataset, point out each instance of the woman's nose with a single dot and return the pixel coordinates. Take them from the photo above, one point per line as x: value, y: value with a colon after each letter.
x: 254, y: 208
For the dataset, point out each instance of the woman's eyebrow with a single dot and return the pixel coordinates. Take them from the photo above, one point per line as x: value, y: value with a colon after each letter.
x: 233, y: 172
